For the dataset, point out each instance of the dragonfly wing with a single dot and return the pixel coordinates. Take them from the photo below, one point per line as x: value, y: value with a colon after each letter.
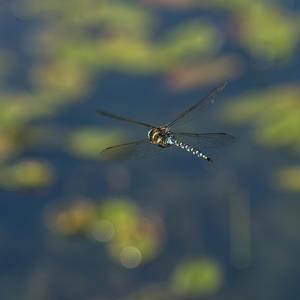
x: 205, y: 140
x: 120, y: 118
x: 134, y: 150
x: 192, y: 112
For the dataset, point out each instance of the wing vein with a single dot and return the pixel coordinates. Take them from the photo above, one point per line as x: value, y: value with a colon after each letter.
x: 202, y: 103
x: 120, y: 118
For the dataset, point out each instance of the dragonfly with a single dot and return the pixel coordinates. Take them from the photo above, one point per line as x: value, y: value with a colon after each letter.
x: 165, y: 136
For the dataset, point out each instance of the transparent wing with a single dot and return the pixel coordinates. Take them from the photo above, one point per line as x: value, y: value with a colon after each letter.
x: 205, y: 140
x: 135, y: 150
x: 120, y: 118
x: 192, y: 112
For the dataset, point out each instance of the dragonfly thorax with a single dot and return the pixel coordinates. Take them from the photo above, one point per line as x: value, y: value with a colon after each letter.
x: 160, y: 136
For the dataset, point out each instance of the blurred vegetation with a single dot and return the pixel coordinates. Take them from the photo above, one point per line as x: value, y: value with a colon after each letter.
x: 70, y: 48
x: 26, y: 174
x: 132, y: 237
x: 273, y: 113
x: 85, y: 142
x: 258, y: 35
x: 198, y: 277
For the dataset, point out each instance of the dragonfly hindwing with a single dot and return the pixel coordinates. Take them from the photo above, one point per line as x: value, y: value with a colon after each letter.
x: 172, y: 140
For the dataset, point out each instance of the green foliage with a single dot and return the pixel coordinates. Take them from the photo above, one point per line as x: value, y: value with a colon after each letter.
x: 88, y: 142
x: 136, y: 237
x: 274, y: 113
x: 131, y: 236
x: 26, y: 174
x: 191, y: 40
x: 197, y: 277
x: 258, y: 35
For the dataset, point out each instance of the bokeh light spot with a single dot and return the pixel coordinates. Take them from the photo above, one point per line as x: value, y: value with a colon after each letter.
x: 130, y: 257
x: 103, y: 231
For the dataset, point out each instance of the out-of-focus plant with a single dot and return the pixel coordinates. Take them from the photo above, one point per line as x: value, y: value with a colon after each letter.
x: 88, y: 142
x: 200, y: 74
x: 137, y: 237
x: 67, y: 79
x: 131, y: 236
x: 254, y: 25
x: 258, y: 35
x: 73, y: 220
x: 274, y: 114
x: 197, y: 277
x: 122, y: 38
x: 26, y: 174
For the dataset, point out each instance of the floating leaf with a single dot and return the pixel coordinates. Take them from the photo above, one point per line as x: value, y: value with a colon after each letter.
x: 89, y: 142
x: 136, y: 238
x: 274, y: 113
x: 258, y: 34
x: 78, y: 218
x: 197, y: 277
x: 26, y: 174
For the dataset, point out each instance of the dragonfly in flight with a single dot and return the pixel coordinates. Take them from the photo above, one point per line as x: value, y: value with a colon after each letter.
x: 165, y: 137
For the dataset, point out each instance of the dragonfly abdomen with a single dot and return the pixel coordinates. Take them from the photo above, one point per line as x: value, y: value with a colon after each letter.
x: 188, y: 148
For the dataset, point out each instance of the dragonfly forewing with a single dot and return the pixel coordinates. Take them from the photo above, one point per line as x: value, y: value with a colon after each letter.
x: 120, y: 118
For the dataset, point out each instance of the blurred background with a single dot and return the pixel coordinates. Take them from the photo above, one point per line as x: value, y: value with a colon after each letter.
x: 75, y: 227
